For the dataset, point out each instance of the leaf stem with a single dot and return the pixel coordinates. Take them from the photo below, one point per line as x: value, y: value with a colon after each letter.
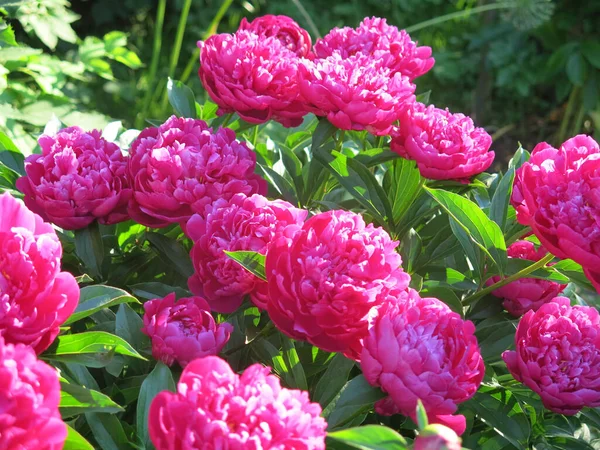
x: 517, y: 276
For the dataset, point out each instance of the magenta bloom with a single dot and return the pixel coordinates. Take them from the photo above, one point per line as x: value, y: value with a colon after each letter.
x: 184, y: 330
x: 182, y: 166
x: 437, y: 437
x: 558, y: 355
x: 527, y: 293
x: 293, y: 37
x: 35, y: 296
x: 417, y: 348
x: 355, y: 93
x: 216, y: 408
x: 445, y: 146
x: 242, y: 223
x: 389, y: 47
x: 29, y: 395
x: 252, y: 75
x: 557, y: 193
x: 325, y: 280
x: 78, y: 178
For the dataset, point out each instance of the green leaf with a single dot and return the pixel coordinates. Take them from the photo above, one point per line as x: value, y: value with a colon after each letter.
x: 370, y: 437
x: 356, y: 397
x: 324, y: 131
x: 253, y: 262
x: 501, y: 199
x: 108, y: 431
x: 424, y: 97
x: 76, y: 441
x: 10, y: 155
x: 591, y: 51
x: 128, y: 325
x: 160, y: 379
x: 8, y: 177
x: 480, y: 230
x: 95, y: 298
x: 577, y: 69
x: 403, y: 183
x: 574, y: 272
x: 332, y: 381
x: 7, y: 35
x: 154, y: 289
x: 75, y: 399
x: 421, y: 414
x: 92, y: 349
x: 90, y: 249
x: 181, y: 98
x: 293, y: 167
x: 520, y: 157
x: 444, y: 294
x: 290, y: 356
x: 271, y: 355
x: 173, y: 252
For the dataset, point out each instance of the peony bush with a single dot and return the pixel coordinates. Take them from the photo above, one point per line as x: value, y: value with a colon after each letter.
x: 314, y: 257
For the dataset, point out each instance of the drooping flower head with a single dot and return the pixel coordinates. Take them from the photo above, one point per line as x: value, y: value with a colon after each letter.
x: 182, y: 166
x: 285, y: 29
x: 183, y: 330
x: 417, y: 348
x: 445, y: 146
x: 557, y: 193
x: 35, y: 296
x: 240, y: 224
x: 526, y: 293
x: 356, y: 92
x: 557, y: 355
x: 325, y: 280
x: 216, y: 408
x: 252, y: 75
x: 29, y: 395
x: 385, y: 44
x: 79, y: 177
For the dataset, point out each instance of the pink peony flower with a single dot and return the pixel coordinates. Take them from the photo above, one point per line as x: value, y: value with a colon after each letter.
x: 382, y: 43
x: 293, y: 37
x: 216, y: 408
x: 527, y: 293
x: 252, y: 75
x: 325, y: 280
x: 29, y: 395
x: 417, y: 348
x: 355, y: 93
x: 184, y: 330
x: 558, y: 355
x: 78, y: 178
x: 242, y: 223
x: 445, y: 146
x: 557, y: 193
x: 437, y: 437
x: 182, y: 166
x: 35, y: 296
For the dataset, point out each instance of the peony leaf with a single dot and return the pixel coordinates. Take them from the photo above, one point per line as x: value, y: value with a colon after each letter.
x: 253, y: 262
x: 403, y: 183
x: 76, y: 441
x: 421, y: 414
x: 95, y: 298
x: 172, y: 252
x: 10, y: 155
x: 499, y: 206
x: 160, y: 379
x: 293, y: 167
x: 591, y: 50
x: 370, y: 437
x: 577, y: 69
x: 76, y: 400
x: 181, y: 98
x: 332, y: 381
x: 128, y: 325
x: 154, y: 289
x: 290, y: 355
x: 520, y: 157
x: 108, y: 431
x: 90, y: 248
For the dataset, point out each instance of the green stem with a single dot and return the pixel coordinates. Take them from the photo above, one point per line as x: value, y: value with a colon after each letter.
x: 254, y: 136
x: 156, y: 45
x: 306, y: 16
x: 518, y: 235
x: 517, y: 276
x: 177, y: 46
x: 458, y: 14
x: 564, y: 124
x: 578, y: 121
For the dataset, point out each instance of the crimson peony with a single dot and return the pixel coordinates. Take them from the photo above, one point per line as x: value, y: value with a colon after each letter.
x: 216, y: 408
x: 79, y: 177
x: 285, y: 29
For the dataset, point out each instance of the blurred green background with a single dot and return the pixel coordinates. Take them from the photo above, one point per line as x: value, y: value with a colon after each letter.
x: 526, y: 70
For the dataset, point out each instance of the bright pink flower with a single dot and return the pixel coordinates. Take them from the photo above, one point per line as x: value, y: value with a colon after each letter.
x: 290, y: 34
x: 445, y: 146
x: 558, y: 355
x: 355, y: 93
x: 252, y: 75
x: 325, y: 280
x: 29, y: 395
x: 437, y: 437
x: 527, y: 293
x: 557, y: 193
x: 183, y: 330
x: 383, y: 43
x: 182, y: 166
x: 79, y: 177
x: 218, y: 409
x: 240, y: 224
x: 35, y: 296
x: 417, y: 348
